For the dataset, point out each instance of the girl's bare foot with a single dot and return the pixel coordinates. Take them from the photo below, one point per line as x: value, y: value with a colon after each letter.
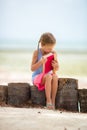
x: 50, y: 106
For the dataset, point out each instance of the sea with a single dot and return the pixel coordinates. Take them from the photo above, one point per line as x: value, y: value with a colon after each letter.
x: 32, y: 44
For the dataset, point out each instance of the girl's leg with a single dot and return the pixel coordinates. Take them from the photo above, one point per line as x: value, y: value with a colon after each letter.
x: 54, y: 88
x: 48, y: 80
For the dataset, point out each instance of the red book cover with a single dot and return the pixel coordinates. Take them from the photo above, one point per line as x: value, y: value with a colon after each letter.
x: 48, y: 65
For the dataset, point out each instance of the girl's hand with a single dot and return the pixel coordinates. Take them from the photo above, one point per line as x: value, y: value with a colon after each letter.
x: 55, y: 64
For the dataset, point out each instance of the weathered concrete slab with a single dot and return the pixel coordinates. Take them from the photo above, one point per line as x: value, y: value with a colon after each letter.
x: 3, y: 94
x: 83, y: 99
x: 67, y: 94
x: 37, y: 97
x: 18, y: 93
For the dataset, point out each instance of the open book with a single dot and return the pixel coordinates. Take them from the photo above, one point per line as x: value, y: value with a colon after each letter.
x: 48, y: 64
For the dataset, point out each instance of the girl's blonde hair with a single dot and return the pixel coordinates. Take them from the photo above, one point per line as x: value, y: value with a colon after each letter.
x: 47, y: 38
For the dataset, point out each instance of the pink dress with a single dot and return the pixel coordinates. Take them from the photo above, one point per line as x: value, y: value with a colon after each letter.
x: 37, y: 80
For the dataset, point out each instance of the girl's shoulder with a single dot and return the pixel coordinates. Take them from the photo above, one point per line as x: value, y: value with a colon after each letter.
x: 35, y: 53
x: 35, y: 56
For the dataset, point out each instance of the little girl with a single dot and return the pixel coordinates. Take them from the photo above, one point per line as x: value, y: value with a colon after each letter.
x: 49, y: 80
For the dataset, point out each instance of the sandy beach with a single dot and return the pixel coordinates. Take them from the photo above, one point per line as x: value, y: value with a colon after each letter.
x: 40, y: 119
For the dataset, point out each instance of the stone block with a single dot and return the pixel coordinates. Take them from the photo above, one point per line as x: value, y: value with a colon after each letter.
x: 18, y: 93
x: 83, y: 100
x: 67, y: 94
x: 37, y: 97
x: 3, y: 94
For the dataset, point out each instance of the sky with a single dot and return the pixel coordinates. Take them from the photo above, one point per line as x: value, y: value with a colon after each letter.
x: 28, y: 19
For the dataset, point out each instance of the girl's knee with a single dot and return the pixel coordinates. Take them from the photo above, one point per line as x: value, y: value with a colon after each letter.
x: 55, y: 77
x: 48, y: 77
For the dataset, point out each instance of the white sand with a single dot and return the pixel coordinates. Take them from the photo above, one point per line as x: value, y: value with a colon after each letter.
x: 40, y: 119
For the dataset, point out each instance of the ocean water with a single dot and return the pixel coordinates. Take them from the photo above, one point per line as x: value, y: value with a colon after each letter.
x: 32, y: 44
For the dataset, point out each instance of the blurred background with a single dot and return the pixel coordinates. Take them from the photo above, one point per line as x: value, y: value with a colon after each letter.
x: 21, y: 24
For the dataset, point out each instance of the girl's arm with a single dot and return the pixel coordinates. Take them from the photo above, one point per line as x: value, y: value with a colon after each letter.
x: 36, y: 64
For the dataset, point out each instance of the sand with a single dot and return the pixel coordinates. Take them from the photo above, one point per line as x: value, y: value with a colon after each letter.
x: 40, y: 119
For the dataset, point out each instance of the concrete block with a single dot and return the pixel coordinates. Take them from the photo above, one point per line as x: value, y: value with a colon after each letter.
x: 67, y: 94
x: 37, y: 97
x: 18, y: 93
x: 83, y: 100
x: 3, y: 94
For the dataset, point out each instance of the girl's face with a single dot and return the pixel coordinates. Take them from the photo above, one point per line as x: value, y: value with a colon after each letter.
x: 48, y: 48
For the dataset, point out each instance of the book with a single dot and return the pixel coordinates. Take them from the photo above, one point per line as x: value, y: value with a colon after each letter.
x: 48, y: 64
